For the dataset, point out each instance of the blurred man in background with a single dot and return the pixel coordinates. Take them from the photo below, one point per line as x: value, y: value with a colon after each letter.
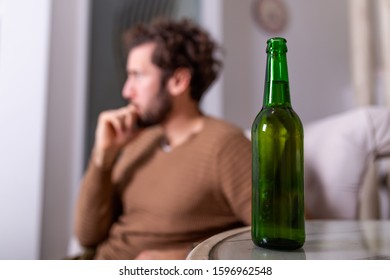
x: 162, y: 175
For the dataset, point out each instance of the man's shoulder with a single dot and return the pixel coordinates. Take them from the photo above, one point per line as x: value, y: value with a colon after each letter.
x: 223, y: 126
x: 224, y: 131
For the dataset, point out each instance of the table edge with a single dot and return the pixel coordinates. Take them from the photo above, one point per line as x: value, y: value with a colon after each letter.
x: 202, y: 250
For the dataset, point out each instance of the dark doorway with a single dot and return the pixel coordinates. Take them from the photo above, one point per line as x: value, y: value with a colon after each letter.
x: 106, y: 62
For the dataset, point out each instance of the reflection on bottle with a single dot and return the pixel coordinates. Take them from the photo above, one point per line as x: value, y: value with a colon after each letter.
x: 268, y: 254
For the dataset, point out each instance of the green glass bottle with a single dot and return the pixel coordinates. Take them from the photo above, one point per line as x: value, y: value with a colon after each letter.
x: 278, y: 220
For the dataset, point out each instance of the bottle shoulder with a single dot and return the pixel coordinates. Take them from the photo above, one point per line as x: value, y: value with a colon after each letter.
x: 278, y: 116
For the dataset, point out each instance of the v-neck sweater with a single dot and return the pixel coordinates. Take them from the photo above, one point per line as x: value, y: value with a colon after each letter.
x: 155, y: 199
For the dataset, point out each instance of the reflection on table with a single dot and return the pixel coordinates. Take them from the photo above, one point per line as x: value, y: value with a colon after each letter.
x: 327, y: 240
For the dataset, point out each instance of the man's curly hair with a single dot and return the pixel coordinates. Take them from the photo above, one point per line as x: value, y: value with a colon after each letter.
x: 179, y: 44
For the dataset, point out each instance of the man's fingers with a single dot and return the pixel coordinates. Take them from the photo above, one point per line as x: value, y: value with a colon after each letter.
x: 117, y: 124
x: 127, y: 117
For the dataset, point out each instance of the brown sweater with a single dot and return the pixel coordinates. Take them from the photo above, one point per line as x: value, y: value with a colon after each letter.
x: 155, y: 199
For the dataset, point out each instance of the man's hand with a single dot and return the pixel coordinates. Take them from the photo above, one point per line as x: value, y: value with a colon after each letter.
x: 114, y: 130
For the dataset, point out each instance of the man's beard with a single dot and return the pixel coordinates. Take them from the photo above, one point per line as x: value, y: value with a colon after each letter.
x: 157, y: 112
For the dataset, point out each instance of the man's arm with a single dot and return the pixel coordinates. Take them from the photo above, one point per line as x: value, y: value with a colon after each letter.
x: 95, y: 206
x: 94, y: 209
x: 235, y: 172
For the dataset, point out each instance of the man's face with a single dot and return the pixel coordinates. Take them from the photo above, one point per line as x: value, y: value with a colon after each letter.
x: 143, y: 87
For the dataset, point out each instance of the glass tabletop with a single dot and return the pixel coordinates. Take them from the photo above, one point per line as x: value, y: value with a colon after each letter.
x: 327, y: 240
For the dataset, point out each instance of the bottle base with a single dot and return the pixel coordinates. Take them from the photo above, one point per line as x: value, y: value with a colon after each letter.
x: 278, y: 244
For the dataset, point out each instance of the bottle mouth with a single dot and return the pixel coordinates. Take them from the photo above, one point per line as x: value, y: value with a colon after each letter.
x: 277, y: 44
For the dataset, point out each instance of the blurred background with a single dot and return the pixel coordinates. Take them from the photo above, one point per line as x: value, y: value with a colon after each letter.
x: 61, y: 63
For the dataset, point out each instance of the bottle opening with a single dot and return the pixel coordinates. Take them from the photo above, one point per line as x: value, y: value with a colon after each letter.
x: 277, y: 44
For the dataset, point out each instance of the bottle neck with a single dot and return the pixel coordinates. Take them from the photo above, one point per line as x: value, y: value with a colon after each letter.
x: 276, y: 88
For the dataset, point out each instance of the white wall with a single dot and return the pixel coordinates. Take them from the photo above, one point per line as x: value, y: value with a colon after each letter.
x: 43, y: 58
x: 318, y: 58
x: 65, y: 123
x: 24, y: 49
x: 210, y: 17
